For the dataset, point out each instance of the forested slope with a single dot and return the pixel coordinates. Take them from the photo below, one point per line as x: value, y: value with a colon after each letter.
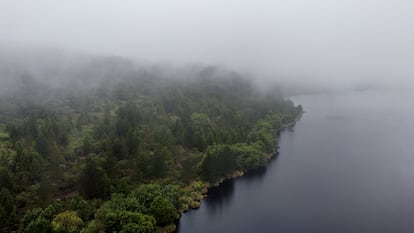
x: 105, y: 145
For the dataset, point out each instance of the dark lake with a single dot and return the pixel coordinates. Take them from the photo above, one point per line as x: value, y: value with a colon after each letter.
x: 346, y: 166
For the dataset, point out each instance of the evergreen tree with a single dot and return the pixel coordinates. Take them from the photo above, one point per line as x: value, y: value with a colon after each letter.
x: 93, y: 181
x: 8, y: 214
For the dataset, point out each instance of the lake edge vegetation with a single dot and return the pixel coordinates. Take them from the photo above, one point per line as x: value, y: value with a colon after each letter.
x: 128, y: 155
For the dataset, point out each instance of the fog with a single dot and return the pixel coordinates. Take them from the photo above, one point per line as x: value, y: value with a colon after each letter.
x: 324, y: 43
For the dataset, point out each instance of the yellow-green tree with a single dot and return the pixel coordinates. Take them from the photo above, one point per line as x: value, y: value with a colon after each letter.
x: 67, y: 222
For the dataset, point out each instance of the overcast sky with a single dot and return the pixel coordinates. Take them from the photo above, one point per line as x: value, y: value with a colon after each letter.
x: 345, y: 42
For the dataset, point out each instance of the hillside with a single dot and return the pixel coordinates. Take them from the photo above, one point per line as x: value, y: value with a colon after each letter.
x: 106, y: 145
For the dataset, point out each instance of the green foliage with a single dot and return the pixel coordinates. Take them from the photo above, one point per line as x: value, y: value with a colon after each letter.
x: 51, y: 210
x: 146, y: 194
x: 147, y: 200
x: 84, y: 209
x: 94, y: 226
x: 39, y: 220
x: 218, y: 162
x: 67, y: 222
x: 221, y: 160
x: 201, y: 125
x: 109, y: 213
x: 38, y: 225
x: 249, y: 156
x: 119, y: 202
x: 163, y: 211
x: 132, y: 222
x: 123, y: 214
x: 6, y: 179
x: 8, y: 214
x: 129, y: 116
x: 29, y: 164
x: 142, y: 132
x: 93, y: 181
x: 263, y: 134
x: 31, y: 215
x: 171, y: 193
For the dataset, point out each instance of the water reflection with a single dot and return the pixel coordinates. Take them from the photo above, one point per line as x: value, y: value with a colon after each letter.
x: 219, y: 198
x: 222, y: 196
x: 345, y: 168
x: 256, y: 175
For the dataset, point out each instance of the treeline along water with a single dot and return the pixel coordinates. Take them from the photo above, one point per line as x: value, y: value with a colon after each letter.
x: 126, y: 154
x: 346, y: 166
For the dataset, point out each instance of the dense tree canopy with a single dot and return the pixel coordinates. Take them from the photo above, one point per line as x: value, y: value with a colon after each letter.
x: 131, y: 151
x: 93, y: 181
x: 8, y: 211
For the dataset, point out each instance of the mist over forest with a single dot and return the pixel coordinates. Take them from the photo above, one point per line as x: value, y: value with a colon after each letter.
x: 119, y: 116
x: 316, y: 44
x: 48, y: 78
x: 92, y: 143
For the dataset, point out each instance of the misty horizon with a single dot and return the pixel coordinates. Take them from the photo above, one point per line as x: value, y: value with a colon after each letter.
x: 297, y: 43
x: 199, y: 116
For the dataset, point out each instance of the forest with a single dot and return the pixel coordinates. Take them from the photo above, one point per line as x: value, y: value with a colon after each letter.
x: 106, y: 145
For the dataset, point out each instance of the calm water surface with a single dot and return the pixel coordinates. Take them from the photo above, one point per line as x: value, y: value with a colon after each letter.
x: 347, y: 166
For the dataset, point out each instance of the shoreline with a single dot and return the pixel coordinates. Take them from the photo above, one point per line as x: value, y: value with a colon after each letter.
x: 200, y: 194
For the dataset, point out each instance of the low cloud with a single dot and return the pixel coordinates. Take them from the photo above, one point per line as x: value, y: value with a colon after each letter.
x: 297, y: 42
